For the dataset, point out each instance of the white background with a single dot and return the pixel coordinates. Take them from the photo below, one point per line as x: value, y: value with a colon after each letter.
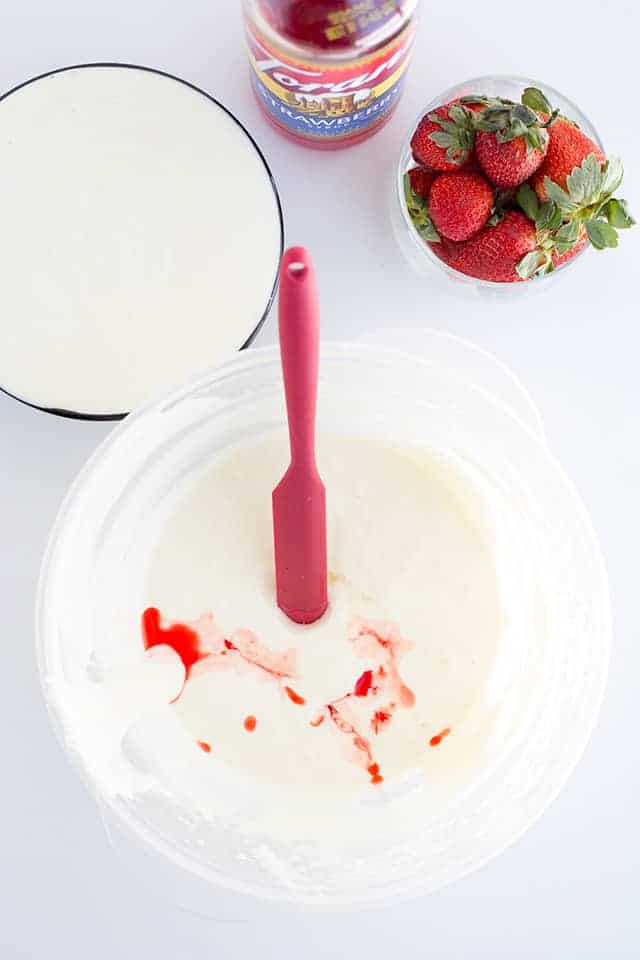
x: 569, y: 888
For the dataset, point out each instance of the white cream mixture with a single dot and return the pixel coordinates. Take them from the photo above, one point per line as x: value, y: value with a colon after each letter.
x: 411, y: 562
x: 132, y: 207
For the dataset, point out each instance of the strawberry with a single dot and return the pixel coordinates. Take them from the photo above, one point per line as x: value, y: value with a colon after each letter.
x: 460, y: 204
x: 443, y: 140
x: 586, y: 200
x: 511, y: 138
x: 568, y: 147
x: 508, y: 164
x: 558, y: 239
x: 421, y: 179
x: 445, y: 250
x: 495, y: 252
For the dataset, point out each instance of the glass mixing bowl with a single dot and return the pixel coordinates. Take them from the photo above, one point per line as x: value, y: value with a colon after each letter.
x: 558, y: 628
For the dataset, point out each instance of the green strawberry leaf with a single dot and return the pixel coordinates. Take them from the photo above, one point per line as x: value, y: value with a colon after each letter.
x: 460, y: 115
x: 419, y: 212
x: 535, y: 100
x: 509, y: 121
x: 601, y: 234
x: 612, y: 174
x: 443, y: 139
x: 528, y: 202
x: 556, y: 220
x: 493, y: 119
x: 549, y: 216
x: 588, y: 198
x: 524, y: 115
x: 617, y: 214
x: 475, y: 98
x: 518, y: 128
x: 450, y: 126
x: 566, y: 236
x: 584, y: 183
x: 454, y: 136
x: 559, y: 196
x: 569, y: 231
x: 521, y: 112
x: 533, y: 263
x: 429, y: 232
x: 536, y: 138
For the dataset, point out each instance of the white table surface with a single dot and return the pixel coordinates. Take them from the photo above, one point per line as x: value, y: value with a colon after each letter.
x: 569, y: 888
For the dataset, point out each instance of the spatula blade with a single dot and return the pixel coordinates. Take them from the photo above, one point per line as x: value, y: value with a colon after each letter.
x: 300, y: 540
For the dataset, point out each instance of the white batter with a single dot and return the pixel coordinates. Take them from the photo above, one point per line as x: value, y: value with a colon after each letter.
x: 140, y: 238
x: 410, y: 559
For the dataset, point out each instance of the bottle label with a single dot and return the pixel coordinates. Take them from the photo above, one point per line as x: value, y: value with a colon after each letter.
x: 320, y: 101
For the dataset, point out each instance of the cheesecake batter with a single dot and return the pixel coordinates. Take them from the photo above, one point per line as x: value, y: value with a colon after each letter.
x: 393, y: 683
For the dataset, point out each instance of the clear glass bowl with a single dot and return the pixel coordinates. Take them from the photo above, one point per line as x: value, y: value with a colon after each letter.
x: 417, y: 252
x: 558, y: 623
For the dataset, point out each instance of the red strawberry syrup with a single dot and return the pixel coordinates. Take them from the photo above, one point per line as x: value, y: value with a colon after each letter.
x: 294, y: 697
x: 204, y: 647
x: 374, y: 770
x: 439, y: 737
x: 382, y: 644
x: 329, y: 73
x: 363, y: 684
x: 184, y: 640
x: 371, y: 703
x: 379, y: 719
x: 329, y: 24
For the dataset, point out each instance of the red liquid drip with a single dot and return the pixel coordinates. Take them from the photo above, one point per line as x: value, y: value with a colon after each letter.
x: 378, y: 641
x: 360, y: 743
x: 179, y: 637
x: 246, y: 645
x: 294, y: 697
x: 374, y: 770
x: 363, y: 684
x: 328, y: 24
x: 204, y: 643
x: 439, y: 737
x: 379, y: 720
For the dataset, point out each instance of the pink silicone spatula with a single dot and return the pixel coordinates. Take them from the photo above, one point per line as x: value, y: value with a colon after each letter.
x: 299, y: 520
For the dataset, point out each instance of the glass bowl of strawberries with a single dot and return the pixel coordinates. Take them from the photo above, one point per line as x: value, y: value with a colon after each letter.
x: 503, y: 183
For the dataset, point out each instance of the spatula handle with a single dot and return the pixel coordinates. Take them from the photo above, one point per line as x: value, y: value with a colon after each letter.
x: 298, y: 321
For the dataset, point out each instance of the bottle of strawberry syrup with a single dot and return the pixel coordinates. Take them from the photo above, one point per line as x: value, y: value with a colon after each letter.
x: 329, y: 73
